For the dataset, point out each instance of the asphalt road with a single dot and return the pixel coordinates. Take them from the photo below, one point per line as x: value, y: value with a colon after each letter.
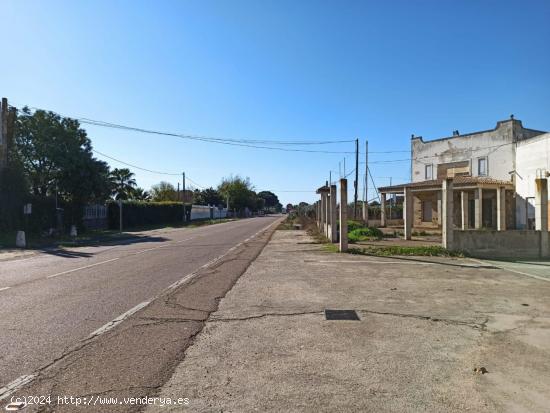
x: 51, y: 301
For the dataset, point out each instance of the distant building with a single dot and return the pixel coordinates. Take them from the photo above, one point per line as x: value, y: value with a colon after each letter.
x: 502, y: 161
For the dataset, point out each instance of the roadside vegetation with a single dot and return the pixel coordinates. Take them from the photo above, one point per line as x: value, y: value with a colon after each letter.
x: 52, y: 167
x: 385, y: 251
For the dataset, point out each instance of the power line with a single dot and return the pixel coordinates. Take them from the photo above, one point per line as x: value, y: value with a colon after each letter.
x: 132, y: 165
x: 145, y: 169
x: 252, y: 143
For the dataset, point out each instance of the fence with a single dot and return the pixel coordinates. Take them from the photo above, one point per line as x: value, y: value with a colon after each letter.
x: 207, y: 212
x: 95, y: 217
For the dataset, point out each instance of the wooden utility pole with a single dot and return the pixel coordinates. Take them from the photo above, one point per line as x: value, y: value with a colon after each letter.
x: 4, y: 134
x: 355, y: 184
x: 183, y: 197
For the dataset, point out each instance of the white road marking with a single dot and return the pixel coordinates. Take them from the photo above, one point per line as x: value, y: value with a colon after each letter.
x: 23, y: 380
x: 82, y: 268
x: 15, y: 385
x: 4, y: 288
x: 538, y: 277
x: 111, y: 324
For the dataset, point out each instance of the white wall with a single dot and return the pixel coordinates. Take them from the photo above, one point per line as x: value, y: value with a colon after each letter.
x: 531, y: 156
x: 469, y: 148
x: 203, y: 212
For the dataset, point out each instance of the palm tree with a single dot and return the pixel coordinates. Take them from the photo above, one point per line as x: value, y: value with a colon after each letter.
x: 140, y: 194
x: 123, y: 183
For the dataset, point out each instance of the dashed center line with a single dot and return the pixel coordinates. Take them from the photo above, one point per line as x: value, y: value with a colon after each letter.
x: 4, y: 288
x: 82, y: 268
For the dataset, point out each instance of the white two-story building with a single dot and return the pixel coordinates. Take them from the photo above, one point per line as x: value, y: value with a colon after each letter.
x: 494, y: 176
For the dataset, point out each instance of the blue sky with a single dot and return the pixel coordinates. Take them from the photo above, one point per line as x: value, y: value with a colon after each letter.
x: 307, y: 70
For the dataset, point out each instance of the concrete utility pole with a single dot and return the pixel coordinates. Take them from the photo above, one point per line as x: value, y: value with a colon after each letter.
x: 343, y: 241
x: 366, y: 191
x: 355, y: 184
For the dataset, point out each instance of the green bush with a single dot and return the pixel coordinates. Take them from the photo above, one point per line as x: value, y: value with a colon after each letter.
x: 137, y: 213
x: 363, y: 234
x: 353, y: 225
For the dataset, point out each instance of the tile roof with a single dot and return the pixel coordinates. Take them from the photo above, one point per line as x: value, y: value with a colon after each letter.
x: 458, y: 181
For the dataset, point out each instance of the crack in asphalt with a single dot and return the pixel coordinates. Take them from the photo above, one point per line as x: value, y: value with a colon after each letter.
x: 481, y: 326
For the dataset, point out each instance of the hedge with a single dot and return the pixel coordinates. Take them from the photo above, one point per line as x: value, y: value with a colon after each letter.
x: 136, y: 213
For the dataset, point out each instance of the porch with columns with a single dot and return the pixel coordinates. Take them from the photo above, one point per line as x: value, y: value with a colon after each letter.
x: 479, y: 203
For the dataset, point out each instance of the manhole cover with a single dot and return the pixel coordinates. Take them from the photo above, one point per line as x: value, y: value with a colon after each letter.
x: 341, y: 315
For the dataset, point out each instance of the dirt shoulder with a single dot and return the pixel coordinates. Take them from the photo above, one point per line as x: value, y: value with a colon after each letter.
x: 425, y: 326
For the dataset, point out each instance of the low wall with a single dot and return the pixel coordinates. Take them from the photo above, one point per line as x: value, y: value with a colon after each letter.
x: 389, y: 223
x: 500, y: 244
x: 207, y: 212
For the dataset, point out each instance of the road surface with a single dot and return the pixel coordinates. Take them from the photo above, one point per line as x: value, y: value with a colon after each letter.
x: 51, y: 301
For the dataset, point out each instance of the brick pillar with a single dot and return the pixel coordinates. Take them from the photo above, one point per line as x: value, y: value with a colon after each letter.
x: 333, y: 235
x: 541, y: 214
x: 343, y: 245
x: 408, y: 213
x: 464, y: 210
x: 478, y: 208
x: 382, y: 209
x: 501, y: 209
x: 447, y: 218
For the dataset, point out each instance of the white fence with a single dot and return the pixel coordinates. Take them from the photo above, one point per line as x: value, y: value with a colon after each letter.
x: 207, y: 212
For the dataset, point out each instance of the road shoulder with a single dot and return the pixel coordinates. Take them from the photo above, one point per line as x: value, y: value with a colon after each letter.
x: 423, y: 331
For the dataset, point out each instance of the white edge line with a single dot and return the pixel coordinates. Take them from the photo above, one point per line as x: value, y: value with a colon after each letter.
x: 23, y: 380
x: 4, y: 288
x: 118, y: 320
x: 82, y: 268
x: 538, y: 277
x: 15, y: 385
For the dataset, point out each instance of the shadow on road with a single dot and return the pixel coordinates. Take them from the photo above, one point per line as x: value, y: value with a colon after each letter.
x: 67, y: 250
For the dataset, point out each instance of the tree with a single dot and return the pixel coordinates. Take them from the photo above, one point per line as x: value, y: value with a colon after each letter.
x: 270, y: 199
x: 140, y: 194
x: 56, y: 158
x: 164, y: 191
x: 209, y: 196
x: 123, y: 183
x: 240, y: 193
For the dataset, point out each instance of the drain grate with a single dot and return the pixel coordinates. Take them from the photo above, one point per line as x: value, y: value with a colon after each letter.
x: 341, y: 315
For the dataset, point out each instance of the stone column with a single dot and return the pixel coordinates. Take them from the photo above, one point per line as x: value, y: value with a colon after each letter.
x: 322, y: 214
x: 382, y: 209
x: 333, y: 235
x: 447, y: 218
x: 408, y: 213
x: 478, y: 208
x: 439, y: 220
x: 464, y: 210
x: 501, y: 209
x: 541, y: 204
x: 326, y: 214
x: 541, y: 214
x: 343, y: 245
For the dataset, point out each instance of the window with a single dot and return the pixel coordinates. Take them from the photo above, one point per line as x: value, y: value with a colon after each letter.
x: 428, y: 172
x: 482, y: 166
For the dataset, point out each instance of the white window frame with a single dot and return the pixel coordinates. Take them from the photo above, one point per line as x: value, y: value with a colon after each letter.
x: 486, y: 161
x: 427, y: 168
